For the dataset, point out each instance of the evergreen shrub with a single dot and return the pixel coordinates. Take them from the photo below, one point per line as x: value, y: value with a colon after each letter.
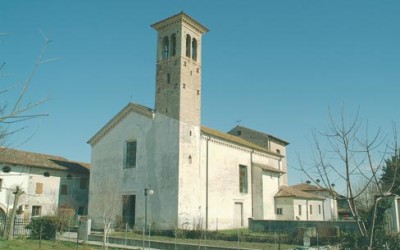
x: 44, y: 227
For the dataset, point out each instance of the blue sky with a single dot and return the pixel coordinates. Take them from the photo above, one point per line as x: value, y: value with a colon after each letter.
x: 277, y: 66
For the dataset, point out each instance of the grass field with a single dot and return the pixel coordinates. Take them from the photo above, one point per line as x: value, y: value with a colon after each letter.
x: 209, y: 242
x: 23, y: 244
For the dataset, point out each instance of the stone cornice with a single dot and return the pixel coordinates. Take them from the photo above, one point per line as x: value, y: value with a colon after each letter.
x: 180, y: 18
x: 130, y: 108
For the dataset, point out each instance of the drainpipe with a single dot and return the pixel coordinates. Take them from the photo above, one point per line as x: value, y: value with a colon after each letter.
x: 207, y: 140
x: 280, y: 174
x: 307, y: 209
x: 396, y: 209
x: 252, y: 184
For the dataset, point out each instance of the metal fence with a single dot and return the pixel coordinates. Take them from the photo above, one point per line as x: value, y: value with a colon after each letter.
x: 20, y: 229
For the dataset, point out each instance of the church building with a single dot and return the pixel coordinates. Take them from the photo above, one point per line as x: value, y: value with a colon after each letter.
x: 169, y: 171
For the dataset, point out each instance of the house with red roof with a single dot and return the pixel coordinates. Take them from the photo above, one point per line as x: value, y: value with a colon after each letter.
x: 294, y: 204
x: 48, y: 183
x: 330, y: 197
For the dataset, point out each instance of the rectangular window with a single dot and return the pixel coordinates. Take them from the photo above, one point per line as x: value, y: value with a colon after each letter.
x: 279, y: 211
x: 299, y: 209
x: 82, y: 183
x: 64, y: 189
x: 319, y: 209
x: 36, y: 210
x: 243, y: 179
x: 39, y: 188
x: 310, y: 209
x: 130, y: 154
x: 81, y: 210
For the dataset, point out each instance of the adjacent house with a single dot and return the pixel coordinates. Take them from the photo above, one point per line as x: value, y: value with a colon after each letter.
x: 294, y: 204
x: 344, y: 212
x: 167, y: 168
x: 392, y: 216
x: 330, y: 205
x: 49, y: 182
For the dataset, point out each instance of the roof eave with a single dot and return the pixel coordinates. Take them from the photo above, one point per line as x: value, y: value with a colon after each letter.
x: 180, y: 16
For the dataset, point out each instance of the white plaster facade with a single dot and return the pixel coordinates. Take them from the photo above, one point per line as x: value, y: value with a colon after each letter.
x: 293, y: 204
x: 392, y: 218
x: 299, y: 209
x: 330, y: 207
x: 201, y: 177
x: 41, y: 178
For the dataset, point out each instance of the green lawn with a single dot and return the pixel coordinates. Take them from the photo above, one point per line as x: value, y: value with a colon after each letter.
x: 220, y: 243
x: 23, y: 244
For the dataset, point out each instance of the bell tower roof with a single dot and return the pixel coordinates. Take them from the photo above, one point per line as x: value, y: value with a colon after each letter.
x: 181, y: 18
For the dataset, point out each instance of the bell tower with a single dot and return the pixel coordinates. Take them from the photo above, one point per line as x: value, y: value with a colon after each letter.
x: 178, y: 98
x: 178, y: 76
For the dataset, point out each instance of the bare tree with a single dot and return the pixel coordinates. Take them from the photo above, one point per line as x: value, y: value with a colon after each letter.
x: 108, y: 205
x: 9, y: 230
x: 16, y: 113
x: 19, y: 111
x: 368, y: 190
x: 345, y: 154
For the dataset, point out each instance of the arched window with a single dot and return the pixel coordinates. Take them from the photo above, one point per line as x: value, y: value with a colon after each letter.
x: 165, y: 53
x: 6, y: 169
x: 194, y: 49
x: 173, y: 45
x: 188, y: 44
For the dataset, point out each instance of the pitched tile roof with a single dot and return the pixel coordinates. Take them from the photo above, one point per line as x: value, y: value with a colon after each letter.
x: 30, y: 159
x: 308, y: 187
x: 269, y: 168
x: 260, y: 134
x: 235, y: 139
x: 292, y: 192
x: 149, y: 113
x: 131, y: 107
x: 312, y: 188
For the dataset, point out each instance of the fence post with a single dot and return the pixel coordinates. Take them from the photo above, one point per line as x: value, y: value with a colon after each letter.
x: 126, y: 232
x: 77, y: 234
x: 40, y: 234
x: 144, y: 232
x: 176, y: 235
x: 238, y: 240
x: 279, y: 240
x: 149, y: 234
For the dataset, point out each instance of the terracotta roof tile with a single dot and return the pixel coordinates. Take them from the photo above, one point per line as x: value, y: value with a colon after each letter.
x: 292, y: 192
x: 312, y: 188
x: 30, y: 159
x: 269, y: 168
x: 307, y: 187
x: 234, y: 139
